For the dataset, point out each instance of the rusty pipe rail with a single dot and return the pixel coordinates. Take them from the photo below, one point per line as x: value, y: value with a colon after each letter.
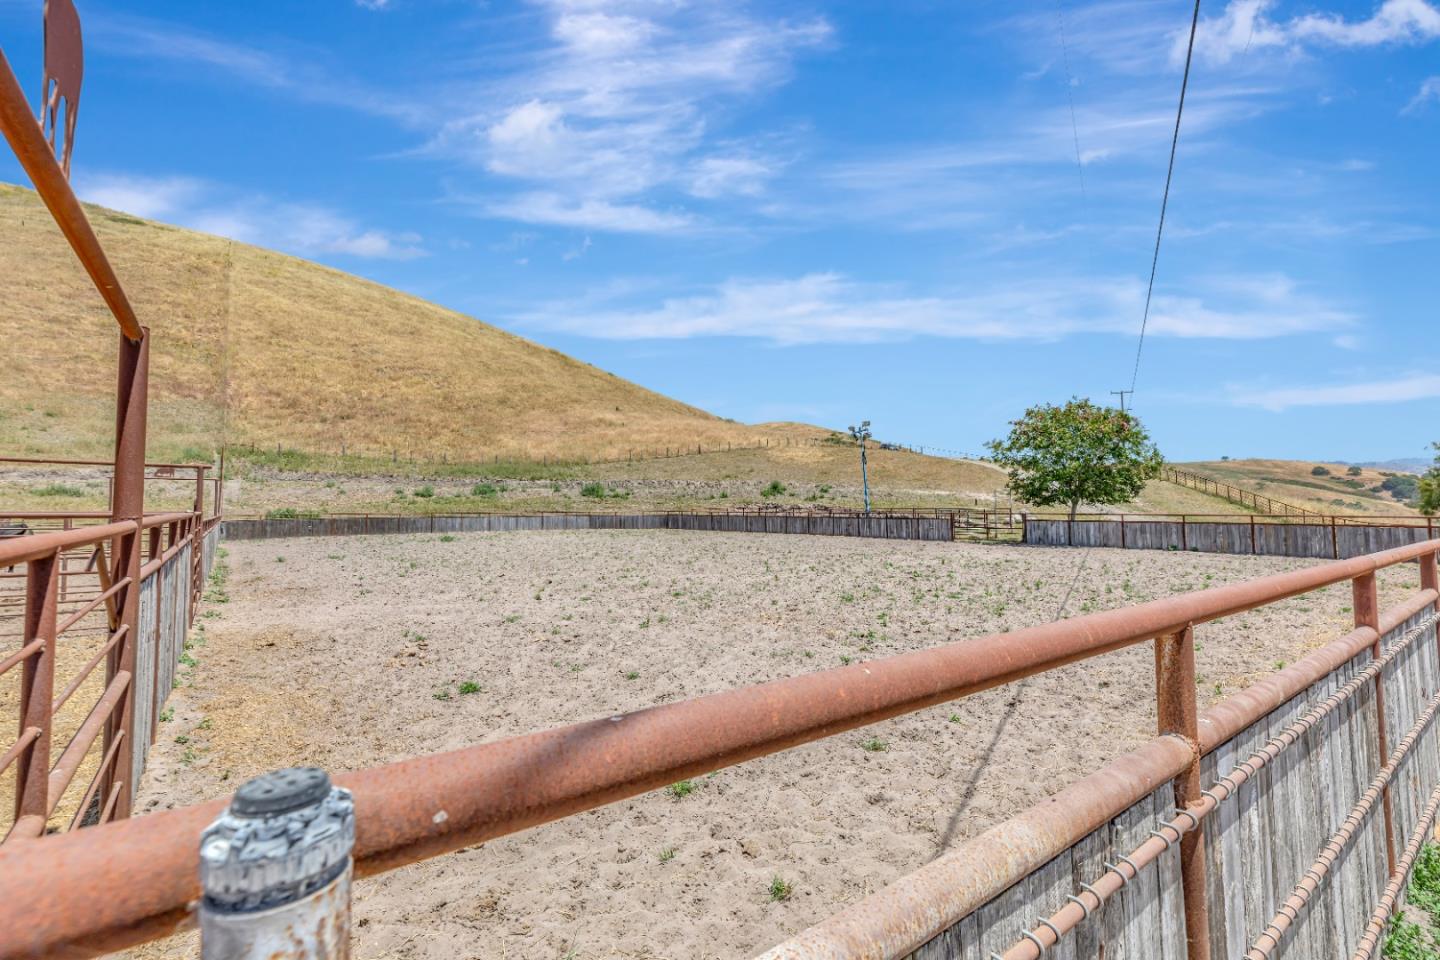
x: 900, y: 918
x: 27, y: 139
x: 429, y: 805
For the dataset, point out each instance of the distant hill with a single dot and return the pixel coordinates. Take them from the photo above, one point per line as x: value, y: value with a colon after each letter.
x: 256, y: 347
x: 1402, y: 465
x: 1335, y: 490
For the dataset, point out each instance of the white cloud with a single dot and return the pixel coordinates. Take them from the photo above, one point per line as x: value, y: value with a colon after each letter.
x: 829, y: 307
x: 1244, y: 25
x: 373, y: 4
x: 1429, y: 91
x: 559, y: 210
x: 1399, y: 389
x: 153, y: 198
x: 621, y: 103
x: 301, y: 228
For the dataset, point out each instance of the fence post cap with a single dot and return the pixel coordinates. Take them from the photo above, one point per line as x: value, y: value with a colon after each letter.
x: 285, y: 835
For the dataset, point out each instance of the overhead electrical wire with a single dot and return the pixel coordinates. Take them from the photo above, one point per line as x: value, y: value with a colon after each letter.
x: 1165, y: 200
x: 1070, y: 93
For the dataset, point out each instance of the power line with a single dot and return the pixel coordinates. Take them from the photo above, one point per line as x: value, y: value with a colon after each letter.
x: 1165, y: 200
x: 1070, y: 93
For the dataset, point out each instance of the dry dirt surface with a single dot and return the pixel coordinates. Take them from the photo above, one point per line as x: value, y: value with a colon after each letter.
x: 350, y: 652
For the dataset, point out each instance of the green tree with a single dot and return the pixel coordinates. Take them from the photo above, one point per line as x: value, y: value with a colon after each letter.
x: 1077, y: 453
x: 1430, y: 487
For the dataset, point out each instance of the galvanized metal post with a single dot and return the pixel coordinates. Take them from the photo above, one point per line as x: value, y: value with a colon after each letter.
x: 128, y: 503
x: 276, y: 870
x: 37, y: 691
x: 1367, y: 614
x: 1176, y: 715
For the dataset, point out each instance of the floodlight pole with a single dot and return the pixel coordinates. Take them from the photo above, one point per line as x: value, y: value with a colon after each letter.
x: 864, y: 476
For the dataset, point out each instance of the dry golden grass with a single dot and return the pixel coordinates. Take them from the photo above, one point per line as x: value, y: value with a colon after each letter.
x: 255, y: 347
x: 1292, y: 482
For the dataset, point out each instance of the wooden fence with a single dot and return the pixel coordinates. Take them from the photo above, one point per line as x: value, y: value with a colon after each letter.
x: 1259, y: 843
x: 883, y: 526
x: 1335, y: 539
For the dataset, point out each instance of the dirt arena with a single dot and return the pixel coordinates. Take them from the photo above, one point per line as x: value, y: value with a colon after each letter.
x: 349, y: 652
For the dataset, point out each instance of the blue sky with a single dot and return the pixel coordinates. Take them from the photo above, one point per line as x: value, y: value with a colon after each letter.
x: 927, y: 214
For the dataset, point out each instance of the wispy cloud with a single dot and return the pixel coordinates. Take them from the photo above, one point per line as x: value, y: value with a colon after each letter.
x: 1244, y: 25
x: 1399, y: 389
x: 829, y: 307
x: 618, y: 105
x: 1429, y: 92
x: 298, y: 74
x: 301, y: 228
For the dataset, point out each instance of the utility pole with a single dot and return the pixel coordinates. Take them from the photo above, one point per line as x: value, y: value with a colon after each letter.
x: 1121, y: 394
x: 860, y: 434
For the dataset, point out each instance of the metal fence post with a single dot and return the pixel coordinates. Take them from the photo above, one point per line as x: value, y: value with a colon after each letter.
x: 128, y: 503
x: 37, y: 691
x: 1176, y: 714
x: 275, y: 870
x: 1367, y: 614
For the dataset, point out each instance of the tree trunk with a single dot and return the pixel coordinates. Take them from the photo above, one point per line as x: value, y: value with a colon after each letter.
x: 1074, y: 506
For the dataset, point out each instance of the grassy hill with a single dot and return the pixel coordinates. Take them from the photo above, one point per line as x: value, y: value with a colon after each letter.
x: 255, y: 347
x: 1295, y: 482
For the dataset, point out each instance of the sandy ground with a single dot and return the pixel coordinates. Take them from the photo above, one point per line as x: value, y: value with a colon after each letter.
x: 351, y: 652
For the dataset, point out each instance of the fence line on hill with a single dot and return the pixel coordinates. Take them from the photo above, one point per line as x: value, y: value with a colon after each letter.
x: 1245, y: 498
x: 395, y: 455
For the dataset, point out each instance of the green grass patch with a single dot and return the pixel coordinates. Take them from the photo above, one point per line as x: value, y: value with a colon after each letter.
x: 58, y: 490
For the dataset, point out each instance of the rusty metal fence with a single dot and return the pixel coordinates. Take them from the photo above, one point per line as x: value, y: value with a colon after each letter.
x: 101, y: 601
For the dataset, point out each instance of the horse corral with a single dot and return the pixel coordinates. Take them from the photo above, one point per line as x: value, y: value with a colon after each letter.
x: 352, y: 651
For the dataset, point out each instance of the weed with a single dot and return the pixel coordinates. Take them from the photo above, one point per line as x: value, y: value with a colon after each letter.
x: 441, y: 694
x: 279, y: 559
x: 593, y: 489
x: 470, y: 686
x: 775, y: 489
x: 846, y: 659
x: 447, y: 538
x: 632, y: 674
x: 205, y: 724
x: 182, y: 739
x: 954, y: 718
x: 780, y: 889
x: 667, y: 854
x: 682, y: 789
x: 167, y: 714
x: 874, y: 745
x: 58, y: 490
x: 486, y: 490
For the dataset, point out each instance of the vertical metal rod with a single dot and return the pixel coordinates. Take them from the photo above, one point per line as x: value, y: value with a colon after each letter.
x: 1429, y: 580
x: 1176, y: 714
x: 131, y: 401
x: 1367, y: 614
x: 37, y: 689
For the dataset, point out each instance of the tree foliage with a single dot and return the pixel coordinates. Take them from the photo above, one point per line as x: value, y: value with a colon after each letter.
x: 1430, y: 487
x: 1077, y: 453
